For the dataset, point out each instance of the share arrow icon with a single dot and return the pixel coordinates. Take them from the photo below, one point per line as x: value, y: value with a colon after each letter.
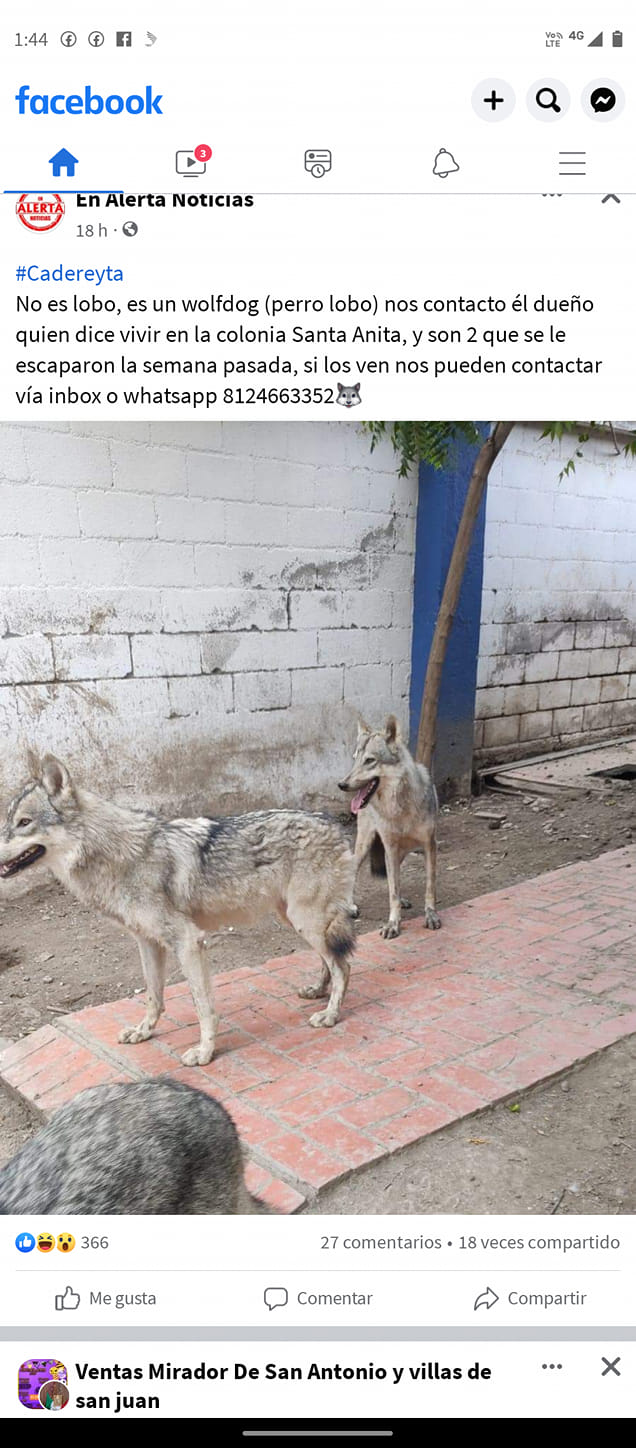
x: 486, y: 1299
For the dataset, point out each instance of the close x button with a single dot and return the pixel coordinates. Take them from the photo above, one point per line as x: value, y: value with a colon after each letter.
x: 610, y: 1367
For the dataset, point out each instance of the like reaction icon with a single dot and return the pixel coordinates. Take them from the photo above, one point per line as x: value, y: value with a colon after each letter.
x: 67, y: 1301
x: 25, y: 1241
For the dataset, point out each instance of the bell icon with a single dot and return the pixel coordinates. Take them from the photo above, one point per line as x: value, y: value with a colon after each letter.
x: 444, y: 163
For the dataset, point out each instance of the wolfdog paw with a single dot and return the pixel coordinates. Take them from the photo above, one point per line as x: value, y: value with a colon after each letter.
x: 132, y: 1035
x: 406, y: 904
x: 390, y: 930
x: 313, y: 992
x: 198, y: 1055
x: 431, y: 919
x: 322, y: 1018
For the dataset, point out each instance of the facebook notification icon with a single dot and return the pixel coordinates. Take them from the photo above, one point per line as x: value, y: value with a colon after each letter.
x: 25, y: 1242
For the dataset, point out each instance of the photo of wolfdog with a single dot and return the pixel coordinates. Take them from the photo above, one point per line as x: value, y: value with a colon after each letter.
x: 170, y: 881
x: 395, y: 804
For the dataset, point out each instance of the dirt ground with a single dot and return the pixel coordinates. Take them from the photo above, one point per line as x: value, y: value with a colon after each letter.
x: 571, y: 1148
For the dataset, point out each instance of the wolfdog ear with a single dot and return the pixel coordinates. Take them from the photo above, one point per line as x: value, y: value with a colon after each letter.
x: 364, y: 730
x: 33, y: 764
x: 392, y: 731
x: 55, y: 776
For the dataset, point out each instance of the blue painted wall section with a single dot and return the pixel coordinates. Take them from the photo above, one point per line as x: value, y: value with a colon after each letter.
x: 441, y: 499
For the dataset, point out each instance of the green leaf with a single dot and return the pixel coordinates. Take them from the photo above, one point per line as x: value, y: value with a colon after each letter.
x: 433, y: 442
x: 421, y: 442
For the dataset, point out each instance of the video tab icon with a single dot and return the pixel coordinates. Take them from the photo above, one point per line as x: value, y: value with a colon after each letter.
x: 187, y: 163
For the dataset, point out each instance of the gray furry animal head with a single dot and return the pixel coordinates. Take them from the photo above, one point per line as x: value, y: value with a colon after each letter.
x: 349, y: 396
x: 38, y: 818
x: 142, y: 1148
x: 378, y: 754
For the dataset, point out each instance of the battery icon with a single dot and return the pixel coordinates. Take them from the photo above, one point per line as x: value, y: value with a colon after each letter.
x: 617, y: 38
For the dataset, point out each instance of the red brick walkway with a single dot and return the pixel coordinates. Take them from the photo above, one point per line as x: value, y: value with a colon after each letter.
x: 516, y: 987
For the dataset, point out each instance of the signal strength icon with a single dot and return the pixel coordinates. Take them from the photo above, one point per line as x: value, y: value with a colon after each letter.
x: 597, y: 41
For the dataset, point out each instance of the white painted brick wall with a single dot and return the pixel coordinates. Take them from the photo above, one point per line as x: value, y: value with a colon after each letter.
x: 25, y: 660
x: 91, y: 656
x: 199, y: 612
x: 558, y: 606
x: 165, y: 655
x: 257, y: 691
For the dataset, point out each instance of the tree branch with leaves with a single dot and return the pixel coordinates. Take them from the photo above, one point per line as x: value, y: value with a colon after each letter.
x: 432, y: 443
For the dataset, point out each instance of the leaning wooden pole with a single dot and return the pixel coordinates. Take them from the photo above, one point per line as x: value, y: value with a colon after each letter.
x: 448, y: 607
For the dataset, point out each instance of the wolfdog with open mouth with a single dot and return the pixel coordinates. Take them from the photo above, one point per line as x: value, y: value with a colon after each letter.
x: 395, y: 804
x: 170, y: 881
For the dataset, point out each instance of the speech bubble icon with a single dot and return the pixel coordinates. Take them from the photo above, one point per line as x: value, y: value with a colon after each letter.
x: 275, y: 1297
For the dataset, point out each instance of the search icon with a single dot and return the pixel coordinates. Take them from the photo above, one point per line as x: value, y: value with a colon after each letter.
x: 547, y: 99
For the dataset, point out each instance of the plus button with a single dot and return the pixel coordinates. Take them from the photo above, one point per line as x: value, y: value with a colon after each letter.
x: 493, y: 100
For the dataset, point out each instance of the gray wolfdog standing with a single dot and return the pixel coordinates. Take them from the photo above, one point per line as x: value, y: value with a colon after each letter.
x: 395, y: 804
x: 153, y: 1147
x: 170, y: 881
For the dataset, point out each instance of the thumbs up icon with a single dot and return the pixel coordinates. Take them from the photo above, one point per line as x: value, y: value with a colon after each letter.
x: 67, y: 1301
x: 25, y: 1242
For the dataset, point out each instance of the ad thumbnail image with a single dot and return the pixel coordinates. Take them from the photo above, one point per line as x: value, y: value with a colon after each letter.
x: 43, y: 1383
x: 317, y: 817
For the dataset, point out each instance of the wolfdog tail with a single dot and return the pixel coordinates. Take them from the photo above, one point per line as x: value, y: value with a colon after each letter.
x: 340, y: 935
x: 378, y: 858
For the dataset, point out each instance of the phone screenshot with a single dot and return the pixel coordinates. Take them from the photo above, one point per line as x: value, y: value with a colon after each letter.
x: 318, y: 714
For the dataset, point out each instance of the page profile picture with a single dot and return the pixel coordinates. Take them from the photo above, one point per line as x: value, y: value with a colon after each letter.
x: 37, y: 1374
x: 53, y: 1395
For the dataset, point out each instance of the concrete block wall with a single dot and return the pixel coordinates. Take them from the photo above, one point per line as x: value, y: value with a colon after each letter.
x: 197, y: 613
x: 557, y: 665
